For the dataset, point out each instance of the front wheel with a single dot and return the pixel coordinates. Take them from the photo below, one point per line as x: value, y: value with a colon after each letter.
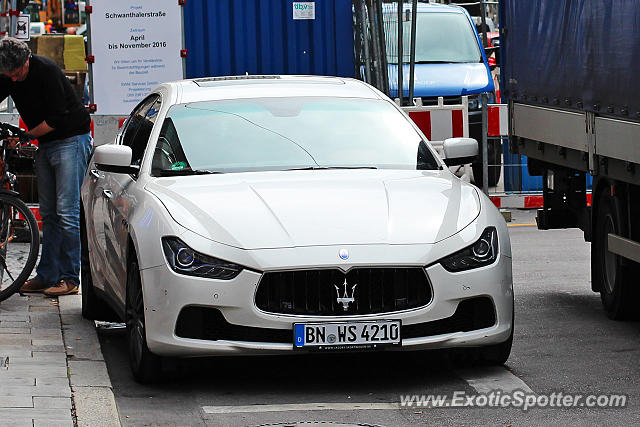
x: 19, y: 244
x: 145, y: 366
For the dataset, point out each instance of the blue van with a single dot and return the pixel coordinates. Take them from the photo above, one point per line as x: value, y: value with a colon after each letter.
x: 450, y: 62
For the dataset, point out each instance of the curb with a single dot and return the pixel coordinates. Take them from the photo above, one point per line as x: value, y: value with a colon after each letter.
x: 92, y: 393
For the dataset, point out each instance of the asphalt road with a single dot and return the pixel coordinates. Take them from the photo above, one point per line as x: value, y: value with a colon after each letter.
x: 563, y: 344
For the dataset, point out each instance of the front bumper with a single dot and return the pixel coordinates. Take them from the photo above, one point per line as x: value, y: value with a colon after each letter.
x: 166, y: 294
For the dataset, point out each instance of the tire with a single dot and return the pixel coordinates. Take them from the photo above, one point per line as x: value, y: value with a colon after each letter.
x: 492, y: 355
x: 497, y: 354
x: 17, y: 225
x: 495, y: 158
x: 93, y: 308
x: 145, y: 366
x: 612, y: 275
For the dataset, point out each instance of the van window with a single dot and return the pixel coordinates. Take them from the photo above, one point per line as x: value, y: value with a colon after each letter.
x: 440, y: 38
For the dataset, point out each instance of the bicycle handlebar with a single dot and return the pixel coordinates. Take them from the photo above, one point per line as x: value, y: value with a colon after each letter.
x: 8, y: 130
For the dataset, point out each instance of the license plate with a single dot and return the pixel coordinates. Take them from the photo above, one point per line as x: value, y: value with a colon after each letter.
x: 346, y: 335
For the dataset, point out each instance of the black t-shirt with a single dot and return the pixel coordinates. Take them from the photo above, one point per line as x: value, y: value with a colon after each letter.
x: 46, y: 95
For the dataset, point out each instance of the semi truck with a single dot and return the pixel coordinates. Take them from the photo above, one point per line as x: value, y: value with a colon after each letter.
x: 570, y: 74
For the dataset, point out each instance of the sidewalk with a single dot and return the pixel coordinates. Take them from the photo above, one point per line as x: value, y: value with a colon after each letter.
x: 52, y: 372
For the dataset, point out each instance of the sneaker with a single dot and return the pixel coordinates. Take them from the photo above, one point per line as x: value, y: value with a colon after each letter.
x: 33, y: 285
x: 63, y: 287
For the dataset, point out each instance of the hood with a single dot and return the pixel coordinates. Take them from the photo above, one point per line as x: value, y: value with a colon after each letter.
x: 443, y: 79
x: 260, y: 210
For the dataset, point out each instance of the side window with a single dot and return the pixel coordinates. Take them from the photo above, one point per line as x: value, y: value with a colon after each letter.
x: 139, y: 127
x: 168, y: 153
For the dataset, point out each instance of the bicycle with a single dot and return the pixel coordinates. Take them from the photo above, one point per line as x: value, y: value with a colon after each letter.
x: 19, y: 233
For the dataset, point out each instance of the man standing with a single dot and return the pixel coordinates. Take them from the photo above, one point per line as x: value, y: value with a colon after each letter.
x: 53, y: 113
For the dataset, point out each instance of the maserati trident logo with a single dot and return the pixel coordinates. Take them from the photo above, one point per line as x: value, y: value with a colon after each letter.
x: 345, y: 299
x: 343, y: 254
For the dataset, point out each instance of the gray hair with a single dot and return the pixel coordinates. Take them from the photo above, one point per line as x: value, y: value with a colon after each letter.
x: 13, y: 54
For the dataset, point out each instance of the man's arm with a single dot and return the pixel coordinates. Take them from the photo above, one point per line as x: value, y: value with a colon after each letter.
x: 42, y: 129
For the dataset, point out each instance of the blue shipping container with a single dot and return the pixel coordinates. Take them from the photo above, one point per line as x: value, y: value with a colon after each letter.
x: 234, y: 37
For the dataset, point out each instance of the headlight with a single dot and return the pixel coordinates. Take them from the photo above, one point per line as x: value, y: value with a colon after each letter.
x: 184, y: 260
x: 481, y: 253
x: 475, y: 101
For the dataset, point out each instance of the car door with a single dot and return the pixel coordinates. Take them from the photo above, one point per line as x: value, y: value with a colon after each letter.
x: 94, y: 223
x: 119, y: 199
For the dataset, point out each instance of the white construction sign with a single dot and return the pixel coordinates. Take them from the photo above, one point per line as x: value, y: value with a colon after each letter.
x: 136, y: 45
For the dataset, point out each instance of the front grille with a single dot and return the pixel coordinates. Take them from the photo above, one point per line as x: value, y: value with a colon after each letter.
x: 205, y: 323
x: 447, y: 100
x: 313, y: 292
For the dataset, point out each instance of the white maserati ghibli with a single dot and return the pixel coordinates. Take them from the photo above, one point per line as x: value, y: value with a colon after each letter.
x: 282, y: 214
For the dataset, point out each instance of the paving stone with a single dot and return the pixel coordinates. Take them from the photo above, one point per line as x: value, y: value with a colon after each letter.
x: 40, y: 300
x: 61, y: 360
x: 16, y: 402
x: 44, y: 390
x: 48, y: 348
x: 58, y: 382
x: 15, y: 303
x: 48, y: 355
x: 40, y: 308
x: 89, y: 373
x: 14, y: 339
x: 97, y: 407
x: 45, y: 331
x: 17, y: 422
x: 52, y: 423
x: 14, y: 317
x: 7, y: 324
x: 52, y: 402
x: 23, y: 380
x: 41, y: 371
x: 47, y: 341
x: 15, y: 330
x: 45, y: 334
x: 15, y: 351
x: 40, y: 414
x: 45, y: 319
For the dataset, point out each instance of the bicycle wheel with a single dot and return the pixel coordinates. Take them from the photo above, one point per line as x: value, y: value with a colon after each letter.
x: 19, y: 244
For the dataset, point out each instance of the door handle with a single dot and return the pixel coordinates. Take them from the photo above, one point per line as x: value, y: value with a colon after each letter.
x: 96, y: 174
x: 107, y: 193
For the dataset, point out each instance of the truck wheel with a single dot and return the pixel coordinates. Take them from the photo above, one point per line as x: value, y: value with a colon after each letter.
x: 612, y: 276
x: 494, y: 150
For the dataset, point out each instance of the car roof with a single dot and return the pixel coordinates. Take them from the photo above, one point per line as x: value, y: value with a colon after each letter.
x: 267, y: 86
x: 425, y: 8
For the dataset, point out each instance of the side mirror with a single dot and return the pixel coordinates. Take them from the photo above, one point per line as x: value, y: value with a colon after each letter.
x: 459, y: 151
x: 114, y: 158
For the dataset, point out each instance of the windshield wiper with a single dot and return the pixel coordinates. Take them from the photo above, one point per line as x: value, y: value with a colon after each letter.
x: 182, y: 172
x: 309, y: 168
x: 352, y: 167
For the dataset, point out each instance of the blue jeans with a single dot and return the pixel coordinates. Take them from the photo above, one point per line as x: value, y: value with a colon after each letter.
x: 60, y: 169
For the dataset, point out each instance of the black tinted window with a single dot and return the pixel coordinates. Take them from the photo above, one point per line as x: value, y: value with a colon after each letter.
x: 136, y: 135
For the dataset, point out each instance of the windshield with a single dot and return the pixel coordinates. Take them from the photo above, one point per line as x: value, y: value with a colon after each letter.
x: 288, y: 133
x: 440, y: 38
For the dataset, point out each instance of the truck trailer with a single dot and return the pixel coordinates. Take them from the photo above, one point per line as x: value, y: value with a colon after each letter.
x: 570, y: 73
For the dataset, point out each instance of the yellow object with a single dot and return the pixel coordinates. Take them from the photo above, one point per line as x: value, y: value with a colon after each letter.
x: 74, y: 54
x: 52, y: 47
